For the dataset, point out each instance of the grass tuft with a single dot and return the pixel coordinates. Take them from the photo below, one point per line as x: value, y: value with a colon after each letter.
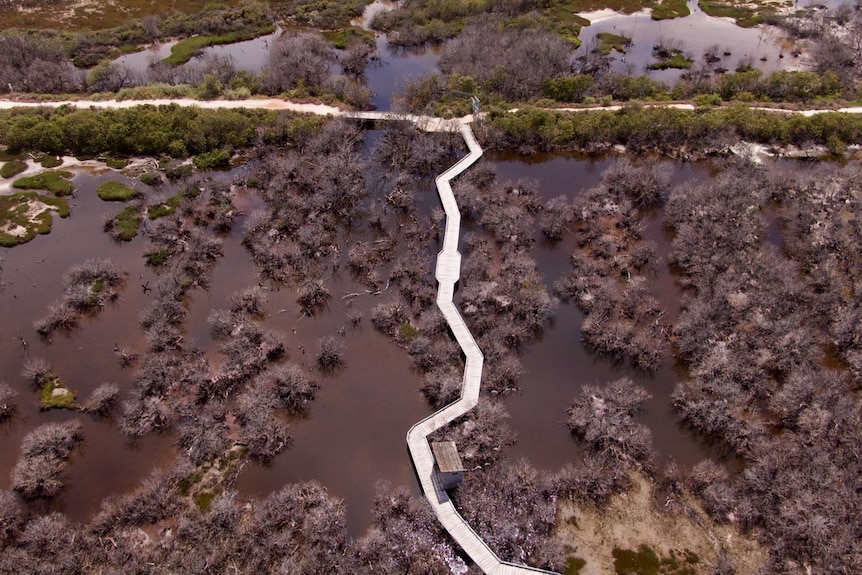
x: 670, y: 9
x: 55, y: 395
x: 185, y: 50
x: 125, y: 225
x: 19, y: 224
x: 114, y: 191
x: 116, y: 163
x: 50, y: 161
x: 12, y: 168
x: 57, y: 182
x: 608, y: 42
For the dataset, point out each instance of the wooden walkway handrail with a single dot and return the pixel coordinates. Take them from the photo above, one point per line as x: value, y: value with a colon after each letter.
x: 448, y: 271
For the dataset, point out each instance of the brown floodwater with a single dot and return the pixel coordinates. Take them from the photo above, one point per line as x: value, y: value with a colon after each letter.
x: 108, y: 462
x: 354, y: 432
x: 559, y: 364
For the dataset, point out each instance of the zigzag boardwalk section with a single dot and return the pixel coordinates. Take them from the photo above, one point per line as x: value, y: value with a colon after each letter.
x: 448, y: 271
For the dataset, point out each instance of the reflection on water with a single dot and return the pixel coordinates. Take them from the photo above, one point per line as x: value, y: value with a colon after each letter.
x: 694, y: 34
x: 354, y: 432
x: 559, y: 364
x: 248, y: 55
x: 396, y: 67
x: 384, y: 78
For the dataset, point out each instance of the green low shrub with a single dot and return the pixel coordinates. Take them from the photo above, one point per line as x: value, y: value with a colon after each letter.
x: 57, y: 182
x: 14, y: 209
x: 114, y: 191
x: 12, y: 168
x: 50, y: 161
x: 157, y: 258
x: 55, y: 395
x: 151, y: 178
x: 214, y: 159
x: 125, y: 225
x: 670, y: 9
x: 116, y: 163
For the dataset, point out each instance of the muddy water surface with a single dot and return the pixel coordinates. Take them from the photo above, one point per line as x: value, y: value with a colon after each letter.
x: 763, y: 47
x: 559, y: 364
x: 353, y: 434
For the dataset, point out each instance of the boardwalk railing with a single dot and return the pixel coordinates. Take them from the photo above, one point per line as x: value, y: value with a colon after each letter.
x: 448, y: 272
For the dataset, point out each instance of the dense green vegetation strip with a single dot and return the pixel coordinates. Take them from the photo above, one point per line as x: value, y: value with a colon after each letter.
x: 142, y: 130
x: 668, y: 128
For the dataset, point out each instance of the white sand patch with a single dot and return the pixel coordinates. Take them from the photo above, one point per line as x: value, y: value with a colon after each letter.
x: 606, y: 14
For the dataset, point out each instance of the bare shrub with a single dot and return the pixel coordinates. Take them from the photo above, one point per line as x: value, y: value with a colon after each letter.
x: 11, y: 516
x: 297, y: 59
x: 557, y: 218
x: 515, y: 62
x: 593, y: 479
x: 250, y: 302
x: 356, y: 56
x: 204, y: 435
x: 88, y: 288
x: 263, y: 433
x: 330, y: 354
x: 44, y: 452
x: 7, y: 406
x: 441, y: 387
x: 603, y: 417
x: 312, y: 297
x: 643, y: 184
x: 102, y: 400
x: 481, y: 434
x: 292, y: 387
x: 37, y: 370
x: 221, y: 323
x: 500, y: 502
x: 405, y: 537
x: 143, y: 415
x: 156, y: 499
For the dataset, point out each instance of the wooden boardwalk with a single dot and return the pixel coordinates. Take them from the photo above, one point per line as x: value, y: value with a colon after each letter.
x: 448, y: 272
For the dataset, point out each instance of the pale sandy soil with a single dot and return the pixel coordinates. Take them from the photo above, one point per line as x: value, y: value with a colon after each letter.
x: 635, y: 519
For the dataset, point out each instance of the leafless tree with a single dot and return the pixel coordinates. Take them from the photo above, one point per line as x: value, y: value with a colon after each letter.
x: 330, y: 354
x: 44, y: 452
x: 515, y: 62
x: 356, y: 56
x: 603, y: 417
x: 7, y: 406
x: 297, y: 59
x: 103, y: 399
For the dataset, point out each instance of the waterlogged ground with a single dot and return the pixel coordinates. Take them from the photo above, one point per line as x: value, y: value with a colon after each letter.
x: 354, y: 432
x: 762, y: 47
